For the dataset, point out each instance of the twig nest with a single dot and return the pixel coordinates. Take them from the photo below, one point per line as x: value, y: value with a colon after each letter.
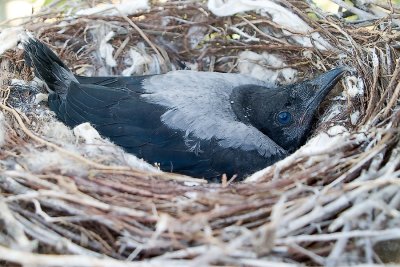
x: 334, y: 201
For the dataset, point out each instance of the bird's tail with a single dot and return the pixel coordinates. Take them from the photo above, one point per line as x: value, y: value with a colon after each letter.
x: 47, y: 65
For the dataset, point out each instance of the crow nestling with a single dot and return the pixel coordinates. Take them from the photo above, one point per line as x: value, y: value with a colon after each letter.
x: 200, y: 124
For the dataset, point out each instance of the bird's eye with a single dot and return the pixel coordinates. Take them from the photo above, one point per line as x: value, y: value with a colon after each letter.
x: 284, y: 118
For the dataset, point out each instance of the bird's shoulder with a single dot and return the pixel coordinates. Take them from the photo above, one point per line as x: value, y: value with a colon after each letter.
x: 199, y: 103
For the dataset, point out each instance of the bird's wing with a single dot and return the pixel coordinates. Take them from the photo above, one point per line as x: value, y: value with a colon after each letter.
x: 129, y: 82
x: 106, y: 108
x: 84, y: 103
x: 129, y: 121
x: 198, y: 103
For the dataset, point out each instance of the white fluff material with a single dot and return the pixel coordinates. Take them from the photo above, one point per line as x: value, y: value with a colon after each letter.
x: 57, y: 130
x: 36, y: 82
x: 259, y: 66
x: 41, y: 98
x: 126, y: 7
x: 337, y: 130
x: 41, y: 161
x: 106, y: 50
x: 277, y: 13
x: 16, y: 82
x: 333, y: 111
x: 139, y: 63
x: 319, y: 143
x: 135, y: 162
x: 87, y: 133
x: 316, y: 146
x: 354, y: 86
x: 354, y: 117
x: 96, y: 145
x: 2, y: 129
x: 9, y: 38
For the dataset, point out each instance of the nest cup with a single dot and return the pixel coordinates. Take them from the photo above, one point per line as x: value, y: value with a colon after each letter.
x: 71, y: 198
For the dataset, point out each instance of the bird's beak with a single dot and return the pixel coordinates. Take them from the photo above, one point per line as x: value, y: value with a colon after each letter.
x: 323, y: 84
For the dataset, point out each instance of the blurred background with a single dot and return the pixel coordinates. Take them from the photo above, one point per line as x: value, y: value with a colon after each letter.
x: 11, y: 9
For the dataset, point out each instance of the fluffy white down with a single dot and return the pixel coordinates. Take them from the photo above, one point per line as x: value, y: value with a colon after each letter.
x: 354, y: 117
x: 92, y: 145
x: 2, y: 129
x: 198, y: 101
x: 41, y: 98
x: 9, y: 38
x: 106, y: 50
x: 87, y: 133
x: 42, y: 161
x: 56, y: 130
x: 126, y: 7
x: 315, y: 148
x: 280, y: 15
x: 337, y: 130
x: 95, y: 145
x: 354, y: 86
x: 139, y: 63
x: 266, y: 67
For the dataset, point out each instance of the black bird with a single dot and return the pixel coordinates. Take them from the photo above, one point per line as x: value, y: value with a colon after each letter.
x: 195, y: 123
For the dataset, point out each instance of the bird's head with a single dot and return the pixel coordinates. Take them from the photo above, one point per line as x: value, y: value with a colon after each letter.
x: 287, y: 111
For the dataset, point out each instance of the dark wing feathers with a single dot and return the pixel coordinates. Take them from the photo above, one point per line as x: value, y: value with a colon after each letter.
x: 47, y: 65
x: 124, y: 117
x: 132, y: 82
x: 105, y: 105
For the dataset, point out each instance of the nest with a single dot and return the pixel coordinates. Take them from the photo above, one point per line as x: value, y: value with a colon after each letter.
x: 67, y: 202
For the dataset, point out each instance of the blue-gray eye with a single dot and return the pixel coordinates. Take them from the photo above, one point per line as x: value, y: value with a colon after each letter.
x: 284, y: 117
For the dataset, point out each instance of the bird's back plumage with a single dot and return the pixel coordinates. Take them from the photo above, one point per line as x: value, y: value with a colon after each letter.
x: 200, y: 104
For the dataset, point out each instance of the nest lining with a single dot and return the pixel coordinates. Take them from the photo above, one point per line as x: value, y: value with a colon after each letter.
x: 67, y: 202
